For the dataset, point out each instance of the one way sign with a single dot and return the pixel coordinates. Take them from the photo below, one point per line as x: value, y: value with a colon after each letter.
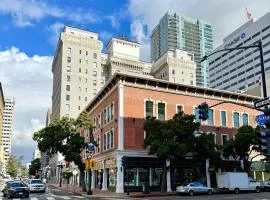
x: 262, y: 102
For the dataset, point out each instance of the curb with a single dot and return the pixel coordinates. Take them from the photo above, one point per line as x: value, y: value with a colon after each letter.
x: 72, y: 192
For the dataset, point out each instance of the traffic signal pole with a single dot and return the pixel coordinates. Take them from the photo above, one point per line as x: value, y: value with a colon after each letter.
x: 262, y: 70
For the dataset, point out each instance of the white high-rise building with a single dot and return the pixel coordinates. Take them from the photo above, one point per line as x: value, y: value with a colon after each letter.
x: 7, y: 129
x: 77, y: 72
x: 240, y: 70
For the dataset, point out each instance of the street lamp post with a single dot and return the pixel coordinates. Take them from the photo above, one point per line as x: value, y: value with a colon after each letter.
x: 60, y: 166
x: 259, y: 45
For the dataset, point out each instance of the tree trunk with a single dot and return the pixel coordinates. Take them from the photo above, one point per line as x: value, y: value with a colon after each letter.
x: 82, y: 182
x: 164, y: 179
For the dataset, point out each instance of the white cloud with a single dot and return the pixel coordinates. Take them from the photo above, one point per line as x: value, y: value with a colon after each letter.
x: 25, y: 12
x: 29, y: 80
x: 105, y: 36
x: 224, y: 15
x: 54, y: 31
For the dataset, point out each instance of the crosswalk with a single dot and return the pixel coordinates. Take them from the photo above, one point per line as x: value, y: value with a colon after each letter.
x: 48, y: 197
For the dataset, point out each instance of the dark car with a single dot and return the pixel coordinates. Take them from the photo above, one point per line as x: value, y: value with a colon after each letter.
x: 15, y: 189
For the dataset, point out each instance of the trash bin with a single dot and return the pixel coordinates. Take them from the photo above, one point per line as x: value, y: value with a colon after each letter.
x: 146, y: 188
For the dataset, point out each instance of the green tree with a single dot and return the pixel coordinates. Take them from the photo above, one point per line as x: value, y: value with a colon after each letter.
x: 241, y: 148
x: 206, y: 148
x: 63, y: 136
x: 67, y: 175
x: 34, y: 167
x: 13, y: 166
x: 170, y: 139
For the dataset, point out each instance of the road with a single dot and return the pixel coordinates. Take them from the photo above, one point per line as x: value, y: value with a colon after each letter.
x: 245, y: 196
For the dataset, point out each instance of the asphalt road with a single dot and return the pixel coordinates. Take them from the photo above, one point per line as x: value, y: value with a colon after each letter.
x: 245, y: 196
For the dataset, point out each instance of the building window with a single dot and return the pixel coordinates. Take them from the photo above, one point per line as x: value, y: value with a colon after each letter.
x: 80, y: 89
x: 191, y: 75
x: 191, y: 82
x: 69, y: 50
x: 85, y: 98
x: 223, y: 118
x: 85, y: 89
x: 67, y: 97
x: 179, y: 108
x: 225, y: 138
x: 161, y: 111
x: 196, y: 113
x: 112, y: 139
x: 80, y: 69
x: 86, y: 53
x: 79, y: 107
x: 79, y: 98
x: 86, y: 71
x: 245, y: 119
x: 67, y: 107
x: 94, y: 82
x: 173, y: 71
x: 149, y: 105
x: 95, y: 55
x: 210, y: 117
x: 68, y: 87
x: 94, y: 73
x: 80, y: 60
x: 105, y: 142
x: 95, y: 65
x: 94, y: 91
x: 80, y: 51
x: 69, y: 59
x: 68, y: 77
x: 236, y: 119
x: 68, y: 68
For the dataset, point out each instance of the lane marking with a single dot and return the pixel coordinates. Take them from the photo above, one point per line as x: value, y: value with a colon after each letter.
x: 50, y: 198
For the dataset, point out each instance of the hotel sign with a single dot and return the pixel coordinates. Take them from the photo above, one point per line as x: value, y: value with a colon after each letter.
x: 235, y: 40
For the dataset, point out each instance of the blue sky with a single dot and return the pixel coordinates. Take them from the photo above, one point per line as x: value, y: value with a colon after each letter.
x: 30, y: 29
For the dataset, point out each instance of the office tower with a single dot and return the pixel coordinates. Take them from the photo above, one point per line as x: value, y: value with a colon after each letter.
x: 77, y: 74
x: 175, y: 66
x: 7, y: 129
x: 2, y: 106
x: 240, y: 70
x: 192, y: 35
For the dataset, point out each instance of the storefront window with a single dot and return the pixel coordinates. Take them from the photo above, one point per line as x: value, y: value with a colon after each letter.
x: 112, y: 177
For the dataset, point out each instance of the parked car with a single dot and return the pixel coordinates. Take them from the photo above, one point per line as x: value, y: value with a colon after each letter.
x: 194, y: 188
x: 36, y: 185
x: 15, y: 189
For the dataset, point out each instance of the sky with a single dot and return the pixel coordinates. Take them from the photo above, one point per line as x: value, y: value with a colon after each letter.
x: 30, y: 29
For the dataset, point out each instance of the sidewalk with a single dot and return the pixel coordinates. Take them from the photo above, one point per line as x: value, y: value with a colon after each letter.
x: 108, y: 194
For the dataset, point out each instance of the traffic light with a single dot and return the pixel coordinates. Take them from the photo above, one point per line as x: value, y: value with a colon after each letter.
x: 203, y: 111
x: 267, y: 114
x: 264, y: 141
x: 92, y: 163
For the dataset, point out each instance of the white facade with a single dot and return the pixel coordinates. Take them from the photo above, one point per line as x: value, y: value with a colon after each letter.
x: 175, y: 66
x: 123, y: 56
x: 77, y: 72
x: 240, y: 70
x: 7, y: 129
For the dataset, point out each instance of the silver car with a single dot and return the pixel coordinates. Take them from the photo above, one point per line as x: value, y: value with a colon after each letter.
x: 194, y: 188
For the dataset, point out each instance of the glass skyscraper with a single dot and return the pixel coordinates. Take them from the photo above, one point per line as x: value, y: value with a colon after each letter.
x: 193, y: 35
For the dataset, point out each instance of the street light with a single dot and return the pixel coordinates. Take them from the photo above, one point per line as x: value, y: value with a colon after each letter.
x: 90, y: 150
x: 60, y: 166
x: 259, y: 45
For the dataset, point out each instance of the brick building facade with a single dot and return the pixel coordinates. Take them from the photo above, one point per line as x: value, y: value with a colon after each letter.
x: 118, y: 112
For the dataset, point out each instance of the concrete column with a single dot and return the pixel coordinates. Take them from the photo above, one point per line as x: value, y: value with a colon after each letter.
x: 169, y: 189
x: 104, y: 183
x: 263, y: 178
x: 254, y: 174
x: 137, y: 177
x: 150, y: 176
x: 119, y: 175
x: 208, y: 181
x: 93, y: 180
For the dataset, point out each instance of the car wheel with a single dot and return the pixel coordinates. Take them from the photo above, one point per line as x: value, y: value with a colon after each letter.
x: 191, y: 193
x: 210, y: 192
x: 258, y: 189
x: 26, y: 196
x: 236, y: 190
x: 4, y: 194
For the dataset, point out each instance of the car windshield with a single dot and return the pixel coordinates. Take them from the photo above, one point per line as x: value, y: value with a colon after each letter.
x: 15, y: 185
x: 36, y: 182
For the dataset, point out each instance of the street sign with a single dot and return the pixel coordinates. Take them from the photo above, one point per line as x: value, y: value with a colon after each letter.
x: 91, y: 147
x: 262, y: 102
x: 261, y: 119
